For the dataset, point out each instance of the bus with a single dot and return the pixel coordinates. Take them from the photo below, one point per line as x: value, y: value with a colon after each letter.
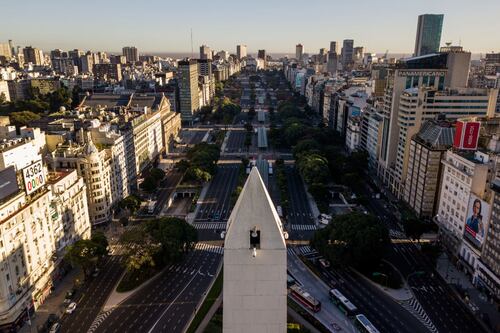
x: 304, y: 298
x: 364, y: 325
x: 343, y: 303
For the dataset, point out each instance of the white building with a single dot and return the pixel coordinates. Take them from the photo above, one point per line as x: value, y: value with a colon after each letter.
x: 35, y: 228
x: 353, y: 133
x: 465, y: 175
x: 254, y: 291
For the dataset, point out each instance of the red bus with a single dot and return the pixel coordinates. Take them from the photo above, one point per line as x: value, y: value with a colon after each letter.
x: 304, y: 298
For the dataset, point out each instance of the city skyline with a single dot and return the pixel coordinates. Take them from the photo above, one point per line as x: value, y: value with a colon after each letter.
x: 172, y: 33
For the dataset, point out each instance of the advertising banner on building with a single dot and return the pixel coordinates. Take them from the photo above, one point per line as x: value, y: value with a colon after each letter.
x: 476, y: 221
x: 466, y: 135
x: 34, y: 177
x: 8, y: 182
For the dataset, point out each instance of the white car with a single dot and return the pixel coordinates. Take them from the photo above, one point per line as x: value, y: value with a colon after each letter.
x: 71, y: 308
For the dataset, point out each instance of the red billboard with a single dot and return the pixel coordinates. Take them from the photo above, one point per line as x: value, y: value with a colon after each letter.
x: 466, y: 135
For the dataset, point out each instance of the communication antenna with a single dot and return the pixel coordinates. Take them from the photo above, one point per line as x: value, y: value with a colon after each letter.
x: 192, y: 52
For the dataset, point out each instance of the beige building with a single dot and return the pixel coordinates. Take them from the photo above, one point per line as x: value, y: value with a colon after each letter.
x: 255, y: 264
x: 94, y: 166
x: 424, y: 166
x: 35, y: 228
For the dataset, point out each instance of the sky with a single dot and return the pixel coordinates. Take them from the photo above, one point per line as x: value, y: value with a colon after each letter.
x: 274, y: 25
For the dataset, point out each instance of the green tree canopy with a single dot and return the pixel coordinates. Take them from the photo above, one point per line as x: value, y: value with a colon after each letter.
x: 175, y: 237
x: 353, y: 239
x: 314, y: 168
x: 23, y: 118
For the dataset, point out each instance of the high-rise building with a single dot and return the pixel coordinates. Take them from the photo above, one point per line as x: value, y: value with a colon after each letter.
x: 428, y: 34
x: 299, y: 50
x: 188, y: 89
x: 33, y: 55
x: 130, y: 53
x: 87, y: 63
x: 205, y: 52
x: 205, y: 67
x: 261, y: 54
x: 423, y: 77
x: 254, y: 263
x: 424, y: 166
x: 5, y: 50
x: 241, y: 51
x: 333, y: 47
x: 347, y: 53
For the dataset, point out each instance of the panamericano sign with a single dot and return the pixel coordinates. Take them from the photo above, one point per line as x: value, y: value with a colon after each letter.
x: 404, y: 73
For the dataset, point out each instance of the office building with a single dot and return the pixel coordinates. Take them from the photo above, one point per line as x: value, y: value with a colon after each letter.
x: 428, y: 34
x: 188, y: 89
x: 418, y: 77
x: 299, y: 50
x: 205, y: 52
x: 241, y: 51
x: 424, y: 166
x: 33, y: 55
x: 254, y: 289
x: 130, y: 53
x: 347, y: 53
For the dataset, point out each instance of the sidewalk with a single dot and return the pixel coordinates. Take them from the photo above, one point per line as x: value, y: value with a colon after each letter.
x: 477, y: 302
x: 53, y: 303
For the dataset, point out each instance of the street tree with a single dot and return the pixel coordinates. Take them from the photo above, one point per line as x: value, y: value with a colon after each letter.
x: 353, y: 239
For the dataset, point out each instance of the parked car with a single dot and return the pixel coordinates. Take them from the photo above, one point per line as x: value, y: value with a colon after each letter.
x: 71, y: 308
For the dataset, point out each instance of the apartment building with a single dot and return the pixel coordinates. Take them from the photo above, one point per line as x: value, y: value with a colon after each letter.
x: 424, y: 165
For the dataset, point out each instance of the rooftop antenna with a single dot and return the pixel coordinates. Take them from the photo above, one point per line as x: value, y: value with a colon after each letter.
x: 192, y: 52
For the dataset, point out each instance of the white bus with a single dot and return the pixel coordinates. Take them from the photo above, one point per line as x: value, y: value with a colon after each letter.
x: 343, y: 303
x: 364, y: 325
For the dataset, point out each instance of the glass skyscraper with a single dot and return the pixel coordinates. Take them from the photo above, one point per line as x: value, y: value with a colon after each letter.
x: 428, y: 33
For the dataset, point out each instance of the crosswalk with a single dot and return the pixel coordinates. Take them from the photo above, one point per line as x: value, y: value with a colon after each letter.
x: 305, y: 250
x: 209, y: 248
x: 414, y: 307
x: 303, y: 227
x: 98, y: 320
x: 210, y: 225
x: 396, y: 234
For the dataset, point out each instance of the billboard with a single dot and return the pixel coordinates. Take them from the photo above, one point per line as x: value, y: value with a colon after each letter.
x: 466, y: 135
x: 476, y: 220
x: 8, y: 182
x: 34, y: 177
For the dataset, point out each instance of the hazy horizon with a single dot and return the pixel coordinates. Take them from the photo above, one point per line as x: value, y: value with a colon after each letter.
x: 274, y: 26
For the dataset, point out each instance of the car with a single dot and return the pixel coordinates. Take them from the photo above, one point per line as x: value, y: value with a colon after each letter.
x: 71, y: 308
x: 67, y: 300
x: 336, y: 327
x: 95, y: 273
x: 217, y: 216
x: 55, y: 328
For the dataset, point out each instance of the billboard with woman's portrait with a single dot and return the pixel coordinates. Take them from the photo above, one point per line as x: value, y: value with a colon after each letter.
x: 476, y: 220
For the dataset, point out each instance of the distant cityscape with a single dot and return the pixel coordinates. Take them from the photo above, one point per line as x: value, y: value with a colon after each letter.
x: 329, y: 190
